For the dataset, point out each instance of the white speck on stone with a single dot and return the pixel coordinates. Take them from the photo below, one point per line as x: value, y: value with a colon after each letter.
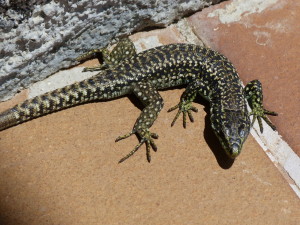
x: 238, y: 9
x: 59, y: 80
x: 146, y: 43
x: 263, y: 38
x: 187, y: 32
x: 34, y: 35
x: 50, y: 9
x: 37, y: 20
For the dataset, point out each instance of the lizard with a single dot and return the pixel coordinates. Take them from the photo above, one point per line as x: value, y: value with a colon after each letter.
x: 203, y: 71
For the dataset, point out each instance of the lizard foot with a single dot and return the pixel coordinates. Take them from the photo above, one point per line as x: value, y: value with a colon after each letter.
x: 96, y: 68
x: 89, y: 55
x: 260, y: 113
x: 145, y: 137
x: 184, y: 108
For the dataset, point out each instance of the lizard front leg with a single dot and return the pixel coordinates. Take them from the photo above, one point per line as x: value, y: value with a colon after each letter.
x: 185, y: 105
x: 153, y: 104
x: 254, y: 95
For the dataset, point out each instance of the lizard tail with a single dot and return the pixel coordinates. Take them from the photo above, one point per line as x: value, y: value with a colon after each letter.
x: 7, y: 119
x: 68, y: 96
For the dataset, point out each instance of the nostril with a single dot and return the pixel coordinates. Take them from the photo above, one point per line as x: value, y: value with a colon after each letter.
x: 235, y: 141
x: 235, y: 149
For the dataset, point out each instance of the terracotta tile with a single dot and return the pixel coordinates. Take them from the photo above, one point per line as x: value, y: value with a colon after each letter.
x: 262, y: 45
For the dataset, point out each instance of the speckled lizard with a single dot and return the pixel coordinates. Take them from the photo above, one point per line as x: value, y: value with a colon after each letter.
x: 202, y: 70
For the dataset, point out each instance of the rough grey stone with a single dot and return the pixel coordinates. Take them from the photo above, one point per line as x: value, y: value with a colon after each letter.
x: 39, y: 37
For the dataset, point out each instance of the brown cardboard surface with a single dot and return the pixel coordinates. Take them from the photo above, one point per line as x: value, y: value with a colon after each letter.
x: 62, y: 169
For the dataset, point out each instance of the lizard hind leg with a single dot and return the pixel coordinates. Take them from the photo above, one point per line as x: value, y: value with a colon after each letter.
x: 153, y: 104
x: 254, y: 95
x: 123, y: 50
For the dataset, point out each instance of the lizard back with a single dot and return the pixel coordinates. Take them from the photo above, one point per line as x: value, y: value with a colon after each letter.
x: 164, y: 66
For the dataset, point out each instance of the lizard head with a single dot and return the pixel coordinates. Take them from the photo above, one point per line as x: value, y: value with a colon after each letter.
x: 232, y: 129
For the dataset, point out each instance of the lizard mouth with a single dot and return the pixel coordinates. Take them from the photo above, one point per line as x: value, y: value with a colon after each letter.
x: 234, y: 151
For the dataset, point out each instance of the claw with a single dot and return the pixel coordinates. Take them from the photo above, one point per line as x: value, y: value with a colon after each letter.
x: 132, y: 152
x: 124, y: 136
x: 173, y: 108
x: 191, y: 116
x: 88, y: 55
x: 175, y: 118
x: 267, y: 119
x: 261, y: 128
x: 96, y: 68
x: 270, y: 113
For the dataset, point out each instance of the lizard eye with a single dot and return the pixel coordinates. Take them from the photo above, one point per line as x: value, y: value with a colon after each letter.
x: 242, y: 131
x: 227, y: 132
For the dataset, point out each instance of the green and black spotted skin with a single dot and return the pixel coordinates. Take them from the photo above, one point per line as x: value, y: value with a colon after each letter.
x: 202, y: 70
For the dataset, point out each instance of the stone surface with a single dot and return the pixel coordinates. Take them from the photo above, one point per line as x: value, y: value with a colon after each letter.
x: 262, y: 39
x: 38, y: 38
x: 62, y: 169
